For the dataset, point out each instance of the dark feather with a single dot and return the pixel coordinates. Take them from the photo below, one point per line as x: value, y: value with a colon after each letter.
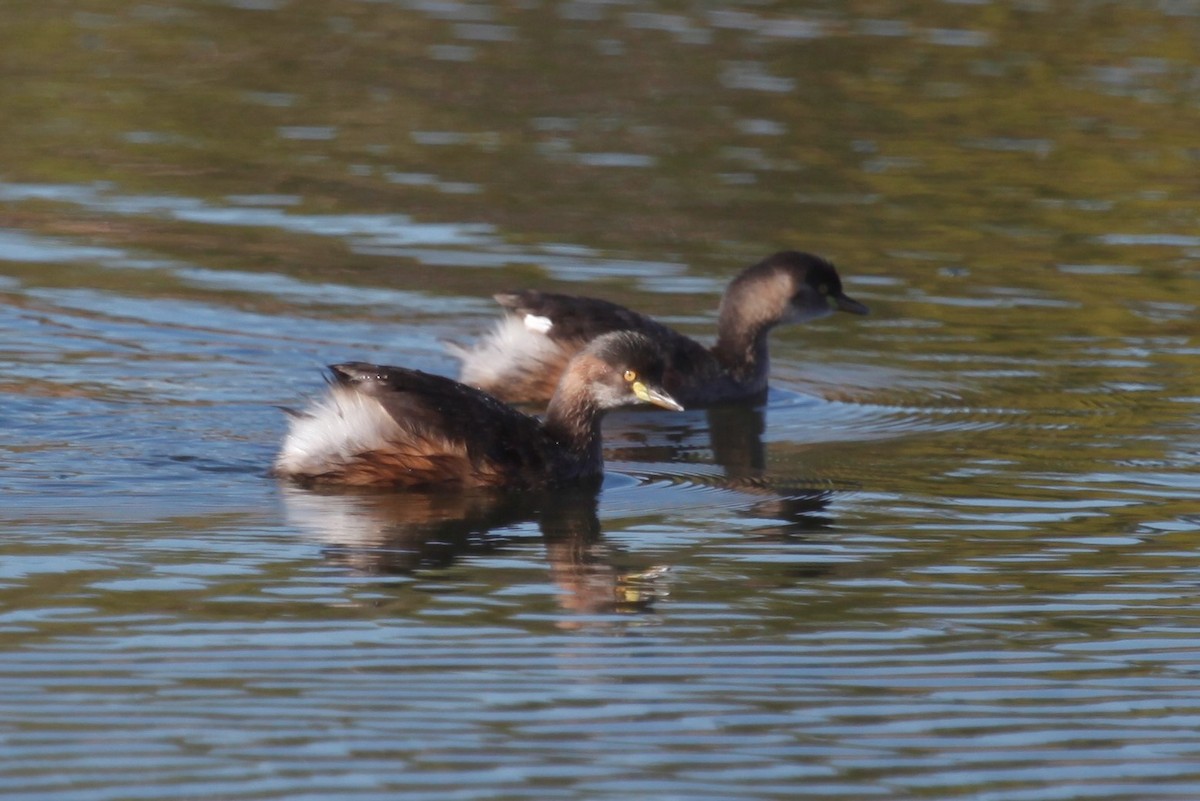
x: 487, y: 428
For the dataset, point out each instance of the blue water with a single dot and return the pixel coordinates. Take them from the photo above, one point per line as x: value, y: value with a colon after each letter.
x: 953, y: 556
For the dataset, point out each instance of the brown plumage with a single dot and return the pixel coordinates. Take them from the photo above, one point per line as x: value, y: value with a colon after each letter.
x: 520, y: 361
x: 391, y: 426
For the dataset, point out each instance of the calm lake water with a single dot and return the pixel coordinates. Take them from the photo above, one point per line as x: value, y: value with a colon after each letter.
x: 956, y: 556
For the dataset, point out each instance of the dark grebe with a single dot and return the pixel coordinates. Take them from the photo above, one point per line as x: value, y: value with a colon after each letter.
x: 521, y: 360
x: 390, y: 426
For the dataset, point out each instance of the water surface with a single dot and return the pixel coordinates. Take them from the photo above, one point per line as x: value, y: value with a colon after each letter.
x: 953, y: 556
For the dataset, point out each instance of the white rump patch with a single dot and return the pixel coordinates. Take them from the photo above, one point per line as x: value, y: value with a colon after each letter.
x: 511, y: 348
x: 332, y: 431
x: 541, y: 325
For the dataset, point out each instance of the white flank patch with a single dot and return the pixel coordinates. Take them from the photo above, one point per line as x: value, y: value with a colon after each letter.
x: 335, y: 428
x: 541, y: 325
x: 512, y: 347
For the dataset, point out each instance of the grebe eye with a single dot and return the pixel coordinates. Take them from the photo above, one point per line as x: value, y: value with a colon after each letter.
x: 630, y: 376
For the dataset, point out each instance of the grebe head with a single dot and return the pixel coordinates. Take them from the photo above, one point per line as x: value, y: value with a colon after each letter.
x: 619, y: 369
x: 787, y: 287
x: 817, y: 287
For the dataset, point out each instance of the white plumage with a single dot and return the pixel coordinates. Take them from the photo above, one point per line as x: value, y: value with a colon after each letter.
x: 515, y: 346
x: 538, y: 324
x: 333, y: 430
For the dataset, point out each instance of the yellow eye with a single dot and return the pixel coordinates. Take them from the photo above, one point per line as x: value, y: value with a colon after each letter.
x: 630, y: 376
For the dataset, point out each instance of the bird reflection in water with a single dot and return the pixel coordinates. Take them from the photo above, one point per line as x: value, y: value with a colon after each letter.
x: 721, y: 449
x: 736, y: 434
x: 390, y: 533
x: 378, y: 533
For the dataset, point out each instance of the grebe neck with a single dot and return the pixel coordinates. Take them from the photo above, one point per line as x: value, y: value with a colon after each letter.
x: 754, y: 303
x: 742, y: 344
x: 573, y: 418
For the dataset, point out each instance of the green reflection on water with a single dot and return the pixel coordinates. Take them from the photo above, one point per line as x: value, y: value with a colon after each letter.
x: 1010, y: 186
x: 1011, y: 142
